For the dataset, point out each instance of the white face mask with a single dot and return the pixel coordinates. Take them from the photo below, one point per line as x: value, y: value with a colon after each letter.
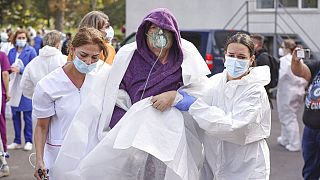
x: 109, y: 34
x: 281, y: 52
x: 236, y: 67
x: 21, y: 43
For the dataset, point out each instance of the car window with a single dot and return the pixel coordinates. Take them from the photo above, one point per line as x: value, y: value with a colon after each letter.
x: 199, y: 39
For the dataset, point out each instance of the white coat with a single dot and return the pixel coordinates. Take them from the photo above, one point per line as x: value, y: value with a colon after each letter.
x: 236, y: 118
x: 290, y: 93
x: 113, y: 155
x: 49, y: 59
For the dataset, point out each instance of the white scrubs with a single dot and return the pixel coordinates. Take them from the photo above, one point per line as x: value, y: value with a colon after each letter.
x: 57, y: 97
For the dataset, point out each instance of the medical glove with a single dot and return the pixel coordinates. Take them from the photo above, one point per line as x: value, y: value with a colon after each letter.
x: 186, y: 102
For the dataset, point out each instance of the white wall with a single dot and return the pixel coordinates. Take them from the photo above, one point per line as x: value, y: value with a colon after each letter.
x: 214, y: 14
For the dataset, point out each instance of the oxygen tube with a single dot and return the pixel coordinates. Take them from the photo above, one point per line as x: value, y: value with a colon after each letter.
x: 159, y: 40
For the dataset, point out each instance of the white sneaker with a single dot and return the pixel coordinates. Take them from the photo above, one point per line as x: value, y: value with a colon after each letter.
x: 281, y: 142
x: 4, y: 171
x: 27, y: 146
x: 289, y: 147
x: 14, y: 146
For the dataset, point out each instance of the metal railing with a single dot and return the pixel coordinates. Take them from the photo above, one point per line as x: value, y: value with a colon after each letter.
x: 237, y: 18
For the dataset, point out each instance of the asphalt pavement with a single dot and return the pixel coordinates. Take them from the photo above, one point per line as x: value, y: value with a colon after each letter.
x: 284, y: 165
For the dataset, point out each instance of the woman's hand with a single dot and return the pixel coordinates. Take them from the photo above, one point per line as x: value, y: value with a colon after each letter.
x: 163, y: 101
x: 15, y: 69
x: 40, y: 166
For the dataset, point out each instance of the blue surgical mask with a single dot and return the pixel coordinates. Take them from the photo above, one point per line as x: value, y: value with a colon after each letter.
x: 109, y: 34
x: 82, y: 67
x: 159, y: 38
x: 236, y: 67
x: 21, y: 43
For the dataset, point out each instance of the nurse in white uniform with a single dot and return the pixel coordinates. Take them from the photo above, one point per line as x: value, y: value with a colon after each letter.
x: 58, y: 96
x: 235, y: 115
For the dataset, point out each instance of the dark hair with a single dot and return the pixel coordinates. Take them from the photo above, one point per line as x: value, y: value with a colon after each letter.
x: 95, y: 19
x: 243, y: 39
x: 258, y: 37
x: 19, y: 31
x: 90, y: 35
x: 289, y: 44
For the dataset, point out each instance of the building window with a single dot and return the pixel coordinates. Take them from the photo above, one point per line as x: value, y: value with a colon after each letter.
x: 289, y: 3
x: 309, y: 3
x: 270, y: 4
x: 265, y: 4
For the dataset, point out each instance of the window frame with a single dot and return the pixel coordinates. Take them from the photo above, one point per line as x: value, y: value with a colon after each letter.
x: 299, y: 8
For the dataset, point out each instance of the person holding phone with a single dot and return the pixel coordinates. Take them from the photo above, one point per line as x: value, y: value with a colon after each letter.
x: 290, y: 93
x: 310, y: 71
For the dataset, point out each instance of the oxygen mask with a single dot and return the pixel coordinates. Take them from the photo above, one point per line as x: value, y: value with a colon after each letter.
x: 159, y: 38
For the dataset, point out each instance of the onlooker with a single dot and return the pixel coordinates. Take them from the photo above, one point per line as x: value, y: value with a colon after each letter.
x: 290, y: 93
x: 310, y: 71
x: 38, y: 42
x: 100, y: 21
x: 5, y: 68
x: 66, y: 43
x: 264, y: 58
x: 6, y: 45
x: 49, y: 59
x: 19, y: 57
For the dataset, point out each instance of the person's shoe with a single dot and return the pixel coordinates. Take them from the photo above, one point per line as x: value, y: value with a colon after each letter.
x: 14, y: 146
x: 289, y: 147
x: 27, y: 146
x: 4, y: 171
x: 281, y: 142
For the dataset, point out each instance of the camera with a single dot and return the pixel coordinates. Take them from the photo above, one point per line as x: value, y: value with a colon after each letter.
x: 303, y: 53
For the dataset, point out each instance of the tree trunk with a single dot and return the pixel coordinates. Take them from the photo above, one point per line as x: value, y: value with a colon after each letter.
x: 59, y: 20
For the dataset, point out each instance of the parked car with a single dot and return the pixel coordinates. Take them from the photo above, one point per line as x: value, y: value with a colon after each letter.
x: 210, y: 44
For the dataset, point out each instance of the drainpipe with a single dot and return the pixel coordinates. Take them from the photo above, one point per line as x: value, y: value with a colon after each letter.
x: 247, y: 7
x: 275, y: 47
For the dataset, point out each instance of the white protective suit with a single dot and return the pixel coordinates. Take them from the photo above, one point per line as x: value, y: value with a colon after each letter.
x: 290, y: 93
x: 236, y: 118
x: 91, y: 151
x: 49, y: 59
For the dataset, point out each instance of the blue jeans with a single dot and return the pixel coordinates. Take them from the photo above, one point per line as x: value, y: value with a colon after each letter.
x: 311, y: 153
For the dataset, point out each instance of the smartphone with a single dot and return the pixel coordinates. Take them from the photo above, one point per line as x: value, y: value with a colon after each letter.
x: 303, y: 53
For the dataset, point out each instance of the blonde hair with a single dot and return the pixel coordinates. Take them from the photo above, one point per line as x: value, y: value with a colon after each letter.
x: 95, y: 19
x: 52, y: 38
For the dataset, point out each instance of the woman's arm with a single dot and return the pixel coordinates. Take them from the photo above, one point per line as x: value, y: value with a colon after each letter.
x: 230, y: 125
x: 5, y: 78
x: 40, y: 137
x: 299, y: 68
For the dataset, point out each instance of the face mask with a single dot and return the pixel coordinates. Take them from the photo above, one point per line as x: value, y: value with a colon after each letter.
x: 159, y: 39
x: 82, y: 67
x: 280, y: 52
x: 110, y: 34
x: 21, y: 43
x: 236, y: 67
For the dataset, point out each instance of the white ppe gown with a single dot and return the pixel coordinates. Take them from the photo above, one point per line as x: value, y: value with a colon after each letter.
x: 290, y: 94
x: 236, y: 118
x: 120, y: 153
x: 49, y: 59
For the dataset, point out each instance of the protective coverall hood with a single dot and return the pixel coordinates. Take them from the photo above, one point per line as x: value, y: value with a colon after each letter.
x: 49, y: 51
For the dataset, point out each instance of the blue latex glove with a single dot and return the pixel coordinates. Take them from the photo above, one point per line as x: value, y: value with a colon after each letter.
x: 186, y: 102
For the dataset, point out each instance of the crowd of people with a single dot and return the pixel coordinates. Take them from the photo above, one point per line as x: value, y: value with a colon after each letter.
x: 149, y: 111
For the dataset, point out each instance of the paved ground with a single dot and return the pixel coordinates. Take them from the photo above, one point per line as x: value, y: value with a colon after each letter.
x: 284, y: 165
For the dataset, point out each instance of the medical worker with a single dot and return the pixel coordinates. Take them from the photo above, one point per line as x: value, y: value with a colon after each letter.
x: 49, y: 59
x: 235, y: 115
x: 100, y: 21
x: 150, y: 71
x: 19, y: 57
x: 290, y: 94
x: 58, y: 96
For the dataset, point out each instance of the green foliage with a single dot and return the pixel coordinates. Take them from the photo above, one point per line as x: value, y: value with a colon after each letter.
x: 39, y: 13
